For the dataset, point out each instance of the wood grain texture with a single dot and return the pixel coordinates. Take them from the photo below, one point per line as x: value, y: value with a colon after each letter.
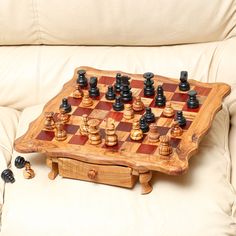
x: 106, y: 174
x: 141, y: 157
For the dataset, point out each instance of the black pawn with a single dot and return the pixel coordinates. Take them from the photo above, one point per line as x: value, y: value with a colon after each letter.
x: 117, y: 85
x: 143, y: 124
x: 181, y: 119
x: 184, y: 84
x: 7, y: 176
x: 192, y: 100
x: 20, y: 162
x: 149, y: 89
x: 118, y: 105
x: 149, y: 116
x: 160, y: 99
x: 93, y: 89
x: 110, y: 94
x: 82, y: 80
x: 126, y: 94
x: 65, y: 105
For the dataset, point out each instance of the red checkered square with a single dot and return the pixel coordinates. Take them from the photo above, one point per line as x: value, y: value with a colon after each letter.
x: 78, y: 139
x: 117, y: 116
x: 71, y: 129
x: 46, y: 135
x: 180, y: 97
x: 74, y: 101
x: 106, y: 80
x: 124, y: 126
x: 82, y: 110
x: 169, y: 87
x: 104, y: 105
x: 202, y: 91
x: 146, y: 149
x: 136, y: 84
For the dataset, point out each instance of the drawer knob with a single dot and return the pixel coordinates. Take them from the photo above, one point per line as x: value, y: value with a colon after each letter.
x: 92, y: 174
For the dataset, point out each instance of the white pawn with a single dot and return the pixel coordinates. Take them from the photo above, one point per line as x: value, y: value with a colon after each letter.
x: 128, y: 112
x: 168, y: 110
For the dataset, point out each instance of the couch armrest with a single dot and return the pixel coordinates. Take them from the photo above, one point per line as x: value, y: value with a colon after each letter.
x: 232, y: 135
x: 223, y: 69
x: 8, y: 126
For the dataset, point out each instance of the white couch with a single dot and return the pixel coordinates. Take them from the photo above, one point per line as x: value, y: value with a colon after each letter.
x: 42, y: 42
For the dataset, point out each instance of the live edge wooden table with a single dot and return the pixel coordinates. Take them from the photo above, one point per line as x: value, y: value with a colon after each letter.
x: 129, y: 160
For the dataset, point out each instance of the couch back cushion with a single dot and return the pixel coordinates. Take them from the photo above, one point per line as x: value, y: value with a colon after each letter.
x: 115, y: 22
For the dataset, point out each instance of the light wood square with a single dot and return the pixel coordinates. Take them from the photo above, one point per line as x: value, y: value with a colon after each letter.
x: 157, y: 111
x: 122, y: 136
x: 98, y: 114
x: 136, y: 91
x: 130, y: 146
x: 164, y: 122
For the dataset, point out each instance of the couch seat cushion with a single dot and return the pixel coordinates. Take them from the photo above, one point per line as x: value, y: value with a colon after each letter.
x: 198, y: 203
x: 8, y: 125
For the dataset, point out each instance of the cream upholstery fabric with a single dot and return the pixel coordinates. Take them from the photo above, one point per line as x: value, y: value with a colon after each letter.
x: 115, y: 22
x: 232, y: 136
x: 8, y: 125
x: 203, y: 36
x: 199, y: 203
x: 42, y: 70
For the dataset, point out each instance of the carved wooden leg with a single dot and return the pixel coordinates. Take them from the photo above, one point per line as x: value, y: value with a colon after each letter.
x: 54, y: 169
x: 144, y: 179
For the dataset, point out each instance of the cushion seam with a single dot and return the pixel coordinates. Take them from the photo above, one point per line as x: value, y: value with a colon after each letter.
x: 36, y: 21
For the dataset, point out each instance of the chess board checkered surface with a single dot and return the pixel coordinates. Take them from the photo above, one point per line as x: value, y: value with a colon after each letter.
x: 139, y: 154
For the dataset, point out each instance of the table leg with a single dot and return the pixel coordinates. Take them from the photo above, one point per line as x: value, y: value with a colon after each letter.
x: 54, y: 169
x: 144, y: 179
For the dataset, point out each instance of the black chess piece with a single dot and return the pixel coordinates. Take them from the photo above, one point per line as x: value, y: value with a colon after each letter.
x: 82, y: 80
x: 110, y: 94
x: 117, y: 85
x: 20, y: 162
x: 143, y: 124
x: 7, y: 176
x: 149, y: 116
x: 181, y: 119
x: 184, y: 84
x: 93, y: 89
x: 118, y: 105
x: 160, y: 99
x: 65, y: 105
x: 192, y: 100
x: 126, y: 94
x: 149, y: 89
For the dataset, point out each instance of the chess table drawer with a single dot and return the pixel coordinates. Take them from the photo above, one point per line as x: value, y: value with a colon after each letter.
x: 106, y: 174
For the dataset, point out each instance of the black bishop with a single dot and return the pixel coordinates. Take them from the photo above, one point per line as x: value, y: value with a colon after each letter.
x: 125, y: 93
x: 118, y: 105
x: 93, y: 89
x: 110, y: 94
x: 184, y: 84
x: 148, y: 84
x: 149, y: 116
x: 160, y: 99
x: 65, y: 105
x: 82, y: 80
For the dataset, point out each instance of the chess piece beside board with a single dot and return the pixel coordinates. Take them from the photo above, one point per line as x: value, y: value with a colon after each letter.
x: 114, y: 128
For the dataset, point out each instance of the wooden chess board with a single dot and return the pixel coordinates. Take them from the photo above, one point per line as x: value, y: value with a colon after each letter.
x: 122, y: 164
